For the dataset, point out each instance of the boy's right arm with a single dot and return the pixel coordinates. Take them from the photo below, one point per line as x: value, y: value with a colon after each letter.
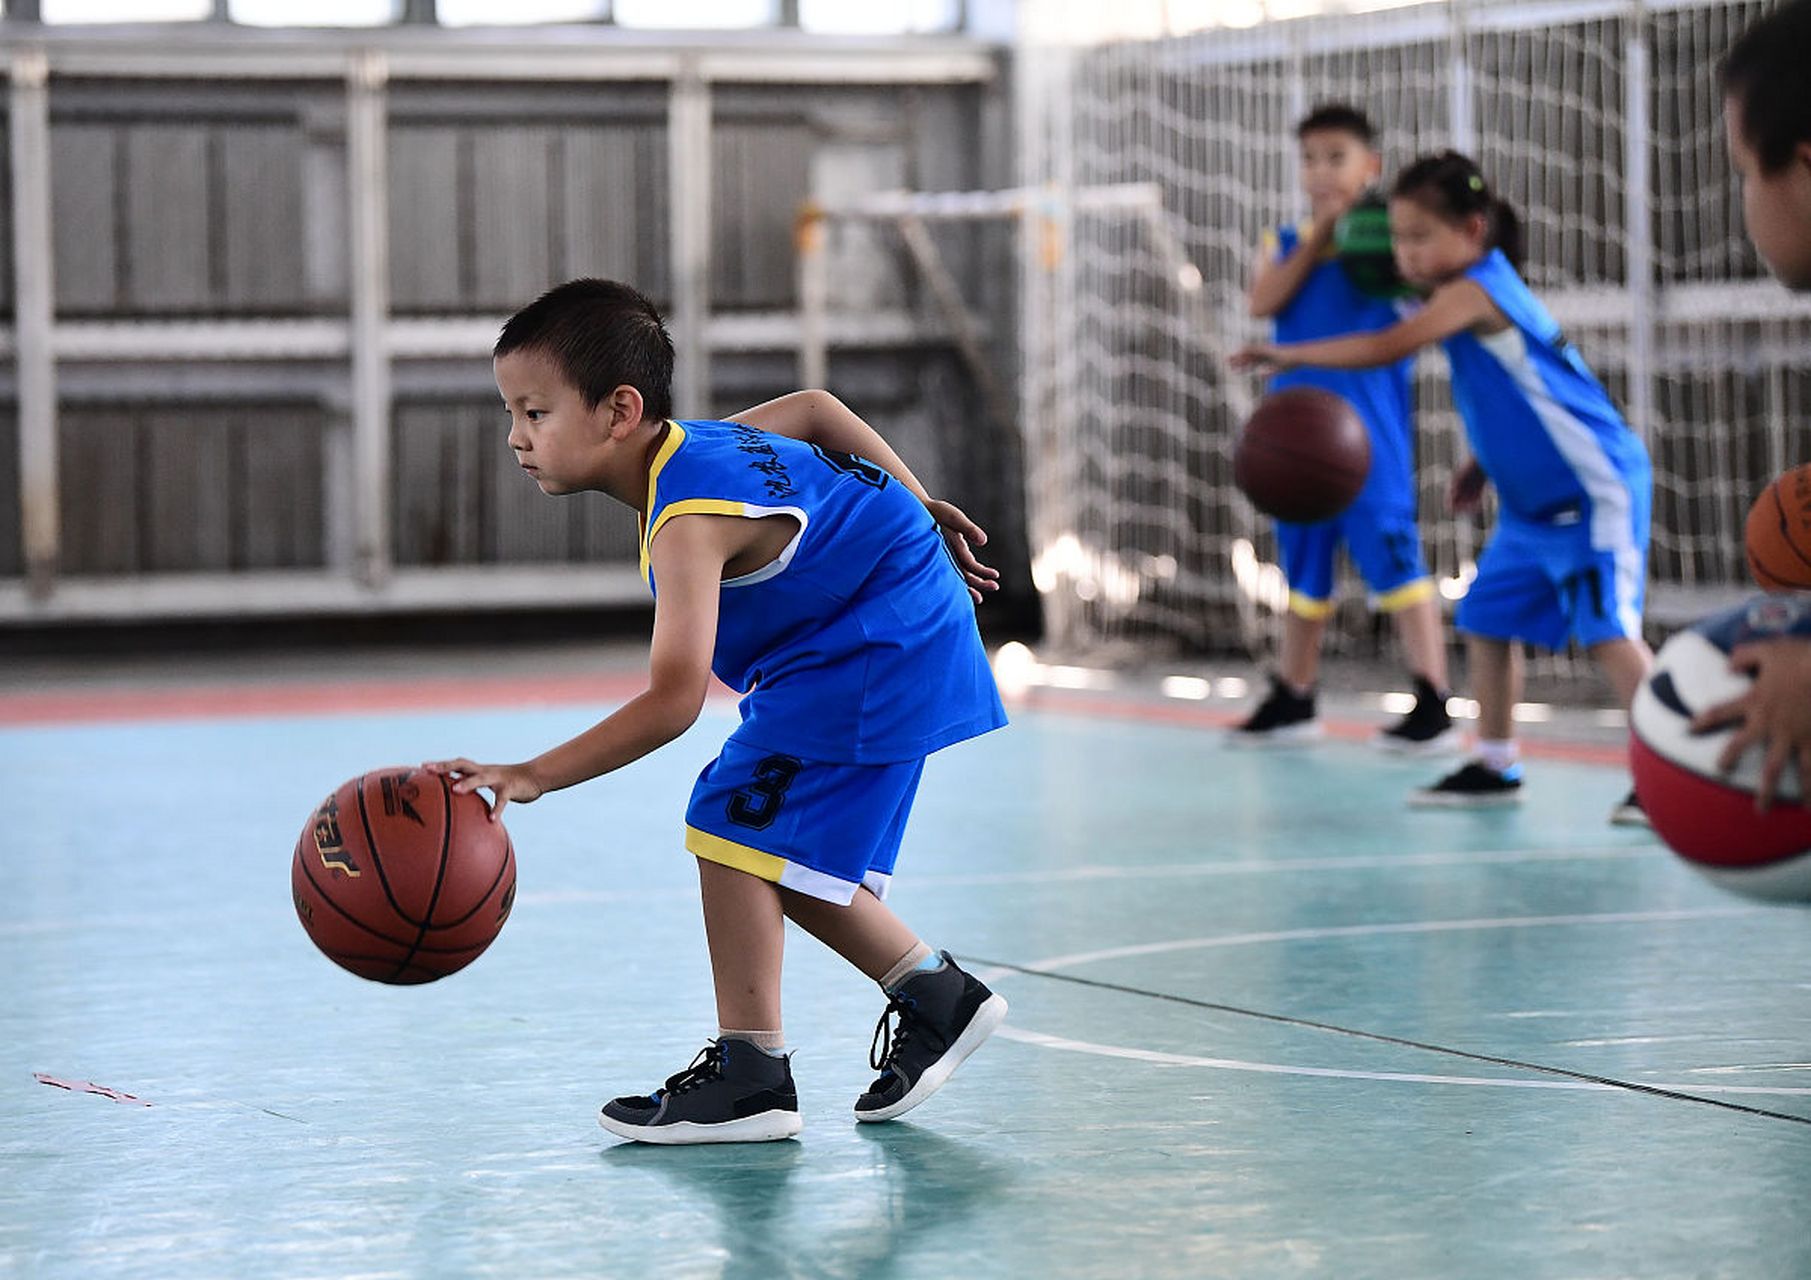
x: 1275, y: 281
x: 687, y: 561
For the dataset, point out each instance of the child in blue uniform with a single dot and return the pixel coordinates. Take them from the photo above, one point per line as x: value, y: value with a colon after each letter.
x: 1300, y: 282
x: 792, y: 553
x: 1767, y: 108
x: 1568, y: 558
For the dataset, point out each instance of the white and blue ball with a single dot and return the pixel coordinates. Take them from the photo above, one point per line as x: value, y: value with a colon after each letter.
x: 1708, y: 817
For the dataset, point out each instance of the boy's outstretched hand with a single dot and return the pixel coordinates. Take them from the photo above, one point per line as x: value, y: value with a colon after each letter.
x: 963, y: 536
x: 506, y: 781
x: 1774, y: 713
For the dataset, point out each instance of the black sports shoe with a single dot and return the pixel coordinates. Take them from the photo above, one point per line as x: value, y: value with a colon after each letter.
x: 1630, y: 813
x: 1426, y: 728
x: 1283, y: 717
x: 1475, y: 786
x: 944, y: 1015
x: 732, y: 1092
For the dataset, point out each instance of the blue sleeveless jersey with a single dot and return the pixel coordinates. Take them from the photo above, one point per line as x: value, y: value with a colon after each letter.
x: 858, y: 644
x: 1543, y: 428
x: 1329, y: 305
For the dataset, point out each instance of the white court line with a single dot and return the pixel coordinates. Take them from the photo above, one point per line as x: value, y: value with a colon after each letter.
x: 1175, y: 870
x: 1369, y: 862
x: 1045, y: 1041
x: 1371, y: 930
x: 1055, y: 963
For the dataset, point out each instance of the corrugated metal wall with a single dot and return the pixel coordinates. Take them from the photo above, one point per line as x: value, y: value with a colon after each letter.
x: 184, y: 200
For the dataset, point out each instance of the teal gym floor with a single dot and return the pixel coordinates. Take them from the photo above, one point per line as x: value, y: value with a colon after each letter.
x: 1265, y: 1022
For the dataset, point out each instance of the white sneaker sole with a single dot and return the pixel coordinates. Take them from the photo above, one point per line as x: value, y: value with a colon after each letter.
x: 1439, y: 800
x: 768, y: 1126
x: 1292, y: 735
x: 986, y: 1020
x: 1439, y: 745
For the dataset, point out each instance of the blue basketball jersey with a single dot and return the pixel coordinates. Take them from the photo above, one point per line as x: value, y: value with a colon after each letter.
x: 1543, y: 428
x: 1329, y: 305
x: 858, y: 644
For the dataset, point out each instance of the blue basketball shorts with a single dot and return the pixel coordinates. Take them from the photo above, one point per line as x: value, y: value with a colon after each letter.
x: 823, y: 829
x: 1384, y: 543
x: 1548, y: 584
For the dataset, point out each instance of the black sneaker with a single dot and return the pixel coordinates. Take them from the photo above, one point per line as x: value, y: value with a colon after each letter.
x: 732, y: 1092
x: 1426, y: 729
x: 1629, y: 813
x: 1283, y: 717
x: 1475, y: 786
x: 944, y: 1015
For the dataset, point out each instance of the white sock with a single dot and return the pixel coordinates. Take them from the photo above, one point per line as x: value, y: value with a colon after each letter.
x: 908, y: 964
x: 1498, y: 753
x: 771, y: 1043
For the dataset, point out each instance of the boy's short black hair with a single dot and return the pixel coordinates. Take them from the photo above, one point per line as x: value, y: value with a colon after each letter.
x: 1338, y: 117
x: 1768, y: 73
x: 603, y: 334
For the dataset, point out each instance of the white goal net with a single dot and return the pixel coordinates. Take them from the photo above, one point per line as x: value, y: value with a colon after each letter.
x: 1600, y: 122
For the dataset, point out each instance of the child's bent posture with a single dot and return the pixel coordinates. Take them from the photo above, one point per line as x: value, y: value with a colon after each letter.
x: 792, y: 553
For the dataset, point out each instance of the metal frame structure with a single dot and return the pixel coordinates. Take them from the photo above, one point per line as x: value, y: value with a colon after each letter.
x: 372, y: 342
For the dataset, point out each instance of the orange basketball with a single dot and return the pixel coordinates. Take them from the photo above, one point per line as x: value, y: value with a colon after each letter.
x: 398, y: 879
x: 1778, y: 533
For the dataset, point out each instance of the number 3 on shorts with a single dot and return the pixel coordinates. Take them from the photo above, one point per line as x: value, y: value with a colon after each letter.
x: 758, y: 804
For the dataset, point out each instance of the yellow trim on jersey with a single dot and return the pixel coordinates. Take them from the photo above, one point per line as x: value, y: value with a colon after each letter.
x: 675, y: 438
x: 1308, y: 607
x: 1409, y: 593
x: 689, y: 507
x: 1273, y: 243
x: 716, y: 849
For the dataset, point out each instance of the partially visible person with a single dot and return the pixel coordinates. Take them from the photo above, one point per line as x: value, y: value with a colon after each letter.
x: 1767, y: 115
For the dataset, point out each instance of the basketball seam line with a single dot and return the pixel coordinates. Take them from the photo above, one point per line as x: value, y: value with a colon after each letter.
x: 508, y: 858
x: 347, y: 915
x: 446, y: 841
x: 377, y: 858
x: 1786, y: 530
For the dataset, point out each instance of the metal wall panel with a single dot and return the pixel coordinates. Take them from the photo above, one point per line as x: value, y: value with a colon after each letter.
x: 260, y: 182
x: 424, y: 218
x: 84, y: 168
x: 613, y: 219
x: 170, y: 219
x: 760, y: 175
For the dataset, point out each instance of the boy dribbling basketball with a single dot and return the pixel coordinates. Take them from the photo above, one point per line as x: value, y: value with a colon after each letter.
x: 1302, y: 286
x: 792, y: 553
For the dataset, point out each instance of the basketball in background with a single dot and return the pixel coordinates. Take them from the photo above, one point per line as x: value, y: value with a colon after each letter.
x: 1778, y: 533
x: 1361, y: 238
x: 1303, y: 455
x: 399, y: 879
x: 1709, y: 817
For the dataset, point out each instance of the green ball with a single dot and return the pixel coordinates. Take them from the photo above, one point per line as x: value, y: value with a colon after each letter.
x: 1362, y: 240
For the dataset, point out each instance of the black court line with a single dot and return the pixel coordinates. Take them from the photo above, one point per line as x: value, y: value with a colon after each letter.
x: 1216, y: 1007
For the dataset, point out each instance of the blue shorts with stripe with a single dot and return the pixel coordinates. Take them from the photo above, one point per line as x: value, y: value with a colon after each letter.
x: 823, y: 829
x: 1548, y: 584
x: 1384, y: 543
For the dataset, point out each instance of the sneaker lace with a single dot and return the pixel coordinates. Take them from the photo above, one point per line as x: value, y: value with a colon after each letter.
x: 706, y: 1067
x: 909, y: 1025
